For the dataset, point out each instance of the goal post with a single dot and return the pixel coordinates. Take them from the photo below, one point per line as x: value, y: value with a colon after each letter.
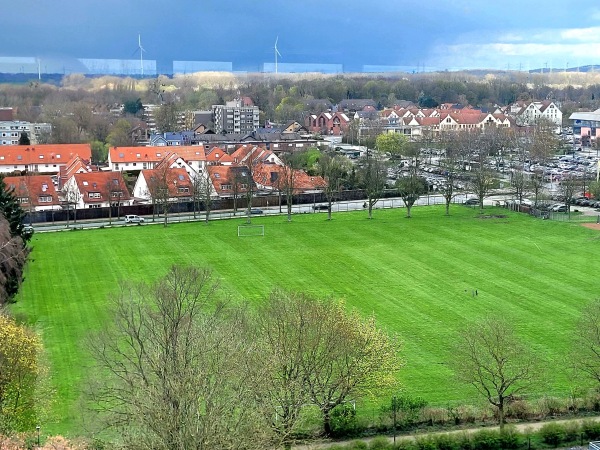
x: 251, y: 230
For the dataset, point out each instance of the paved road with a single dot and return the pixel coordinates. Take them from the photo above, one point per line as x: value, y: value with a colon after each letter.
x: 525, y: 426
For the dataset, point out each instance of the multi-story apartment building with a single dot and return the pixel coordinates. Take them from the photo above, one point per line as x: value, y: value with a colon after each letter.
x: 235, y: 117
x: 10, y: 131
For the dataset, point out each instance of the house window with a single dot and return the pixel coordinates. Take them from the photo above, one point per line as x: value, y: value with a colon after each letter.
x: 94, y: 194
x: 23, y: 200
x: 45, y: 198
x: 226, y: 187
x: 183, y: 189
x: 116, y: 166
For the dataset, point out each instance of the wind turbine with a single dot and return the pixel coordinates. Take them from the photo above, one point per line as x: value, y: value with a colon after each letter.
x: 276, y: 53
x: 141, y: 49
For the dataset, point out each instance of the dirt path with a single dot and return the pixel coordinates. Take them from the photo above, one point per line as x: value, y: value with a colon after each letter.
x: 532, y: 426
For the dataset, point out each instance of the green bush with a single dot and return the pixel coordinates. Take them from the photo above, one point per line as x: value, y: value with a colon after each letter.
x: 358, y: 445
x: 446, y: 442
x: 572, y: 432
x: 380, y: 443
x: 463, y: 441
x: 552, y: 434
x: 486, y: 440
x: 343, y: 421
x: 510, y: 438
x: 590, y: 430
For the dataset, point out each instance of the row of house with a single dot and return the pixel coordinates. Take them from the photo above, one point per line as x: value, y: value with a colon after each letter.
x: 414, y: 122
x: 178, y: 171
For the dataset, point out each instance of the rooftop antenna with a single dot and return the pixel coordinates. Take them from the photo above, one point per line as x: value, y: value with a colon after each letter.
x: 141, y: 49
x: 276, y: 53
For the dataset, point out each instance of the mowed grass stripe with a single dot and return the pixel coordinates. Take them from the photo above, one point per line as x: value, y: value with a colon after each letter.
x: 416, y: 276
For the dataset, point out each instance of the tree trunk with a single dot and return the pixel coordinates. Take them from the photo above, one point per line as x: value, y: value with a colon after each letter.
x: 447, y: 208
x: 408, y: 211
x: 329, y: 210
x: 501, y: 413
x: 327, y: 422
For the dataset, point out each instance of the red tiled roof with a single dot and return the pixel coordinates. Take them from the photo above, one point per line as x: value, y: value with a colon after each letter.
x: 43, y: 153
x: 133, y: 154
x: 176, y: 178
x: 34, y: 188
x: 103, y: 183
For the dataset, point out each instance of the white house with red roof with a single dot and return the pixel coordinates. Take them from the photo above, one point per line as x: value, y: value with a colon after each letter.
x: 176, y: 179
x: 97, y: 190
x: 41, y: 158
x: 34, y: 192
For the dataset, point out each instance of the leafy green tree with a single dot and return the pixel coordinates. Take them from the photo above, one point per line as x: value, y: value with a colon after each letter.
x: 391, y: 143
x: 19, y: 370
x: 133, y: 106
x: 316, y: 351
x: 99, y: 151
x: 119, y: 135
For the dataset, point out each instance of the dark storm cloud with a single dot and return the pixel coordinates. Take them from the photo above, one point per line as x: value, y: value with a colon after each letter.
x: 393, y: 32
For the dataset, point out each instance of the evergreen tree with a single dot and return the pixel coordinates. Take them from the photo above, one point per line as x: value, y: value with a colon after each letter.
x: 12, y: 211
x: 24, y: 139
x: 14, y: 243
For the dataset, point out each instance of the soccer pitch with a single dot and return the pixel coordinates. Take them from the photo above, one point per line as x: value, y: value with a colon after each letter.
x: 417, y: 276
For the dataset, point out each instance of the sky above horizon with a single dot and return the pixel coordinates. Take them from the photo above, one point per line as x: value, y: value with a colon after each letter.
x: 441, y: 34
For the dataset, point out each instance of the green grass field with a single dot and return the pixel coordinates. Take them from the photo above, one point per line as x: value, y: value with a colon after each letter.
x: 416, y: 276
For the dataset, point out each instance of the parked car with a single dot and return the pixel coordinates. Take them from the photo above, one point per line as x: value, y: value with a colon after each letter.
x: 321, y: 207
x: 560, y: 208
x: 471, y: 201
x: 256, y: 211
x: 131, y: 218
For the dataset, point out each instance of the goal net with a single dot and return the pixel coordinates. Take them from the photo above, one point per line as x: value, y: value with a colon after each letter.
x: 251, y: 230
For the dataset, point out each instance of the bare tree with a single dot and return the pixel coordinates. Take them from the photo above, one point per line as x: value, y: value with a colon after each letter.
x: 568, y: 187
x: 450, y: 164
x: 518, y: 181
x: 490, y: 357
x: 586, y: 342
x: 373, y: 176
x: 281, y: 325
x: 114, y: 192
x: 536, y: 183
x: 334, y: 170
x: 288, y: 178
x: 205, y: 191
x: 176, y: 366
x: 411, y: 186
x: 158, y: 187
x: 71, y: 196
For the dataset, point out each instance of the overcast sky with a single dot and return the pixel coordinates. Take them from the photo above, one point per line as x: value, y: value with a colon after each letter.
x: 442, y: 34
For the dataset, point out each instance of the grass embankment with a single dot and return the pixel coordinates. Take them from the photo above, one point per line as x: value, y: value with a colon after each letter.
x: 417, y: 276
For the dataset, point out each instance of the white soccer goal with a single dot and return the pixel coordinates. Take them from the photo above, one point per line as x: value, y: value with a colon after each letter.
x: 251, y: 230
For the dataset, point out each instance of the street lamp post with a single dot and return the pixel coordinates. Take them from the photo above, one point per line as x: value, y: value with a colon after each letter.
x: 38, y: 435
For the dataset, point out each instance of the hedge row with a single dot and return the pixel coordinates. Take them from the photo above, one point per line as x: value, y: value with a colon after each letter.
x: 551, y: 435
